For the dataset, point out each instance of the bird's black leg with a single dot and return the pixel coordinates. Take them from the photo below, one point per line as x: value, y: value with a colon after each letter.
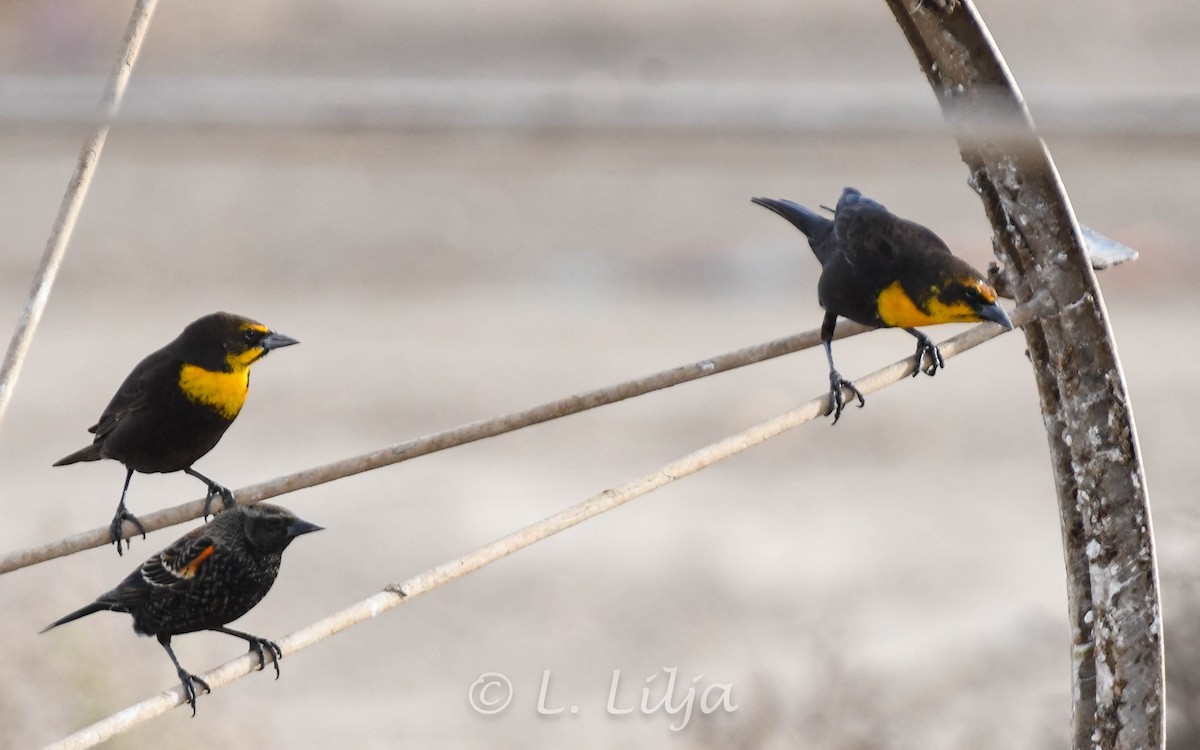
x: 189, y: 680
x: 214, y: 490
x: 925, y: 344
x: 257, y: 645
x: 123, y: 515
x: 836, y: 381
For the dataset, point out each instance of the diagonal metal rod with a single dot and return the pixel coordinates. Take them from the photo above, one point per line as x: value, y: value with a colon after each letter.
x: 439, y: 441
x: 397, y: 593
x: 72, y: 202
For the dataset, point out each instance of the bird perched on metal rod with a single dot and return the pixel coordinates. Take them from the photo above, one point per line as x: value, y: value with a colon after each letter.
x: 881, y: 270
x: 209, y: 577
x: 177, y: 403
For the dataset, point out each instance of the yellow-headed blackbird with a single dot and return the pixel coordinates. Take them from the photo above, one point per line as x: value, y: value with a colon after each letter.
x: 209, y: 577
x: 178, y: 402
x: 880, y: 270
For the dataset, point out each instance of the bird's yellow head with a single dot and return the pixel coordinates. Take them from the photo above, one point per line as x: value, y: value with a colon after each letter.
x: 217, y: 352
x: 962, y: 298
x: 250, y: 342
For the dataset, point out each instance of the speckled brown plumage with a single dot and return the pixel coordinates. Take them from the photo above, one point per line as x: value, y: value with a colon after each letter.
x: 207, y: 578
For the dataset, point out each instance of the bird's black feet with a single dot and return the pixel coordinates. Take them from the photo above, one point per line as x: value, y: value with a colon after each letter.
x: 189, y: 682
x: 836, y: 384
x: 116, y: 528
x: 925, y: 344
x: 260, y: 646
x: 216, y: 490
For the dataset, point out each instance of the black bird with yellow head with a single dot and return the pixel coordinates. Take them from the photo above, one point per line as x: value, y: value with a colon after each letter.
x: 177, y: 403
x: 880, y: 270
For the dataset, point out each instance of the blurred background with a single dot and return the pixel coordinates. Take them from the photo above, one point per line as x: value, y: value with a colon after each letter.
x: 464, y: 209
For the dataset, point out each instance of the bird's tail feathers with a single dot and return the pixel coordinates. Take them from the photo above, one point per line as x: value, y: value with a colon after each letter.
x: 81, y: 612
x: 90, y: 453
x: 805, y: 219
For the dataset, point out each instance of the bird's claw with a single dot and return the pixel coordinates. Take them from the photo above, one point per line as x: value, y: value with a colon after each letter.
x: 116, y: 528
x: 936, y: 360
x: 216, y: 490
x: 260, y: 646
x: 189, y: 682
x: 836, y: 384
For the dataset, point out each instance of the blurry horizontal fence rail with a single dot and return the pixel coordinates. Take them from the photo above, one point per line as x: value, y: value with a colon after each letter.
x: 586, y: 102
x: 397, y: 593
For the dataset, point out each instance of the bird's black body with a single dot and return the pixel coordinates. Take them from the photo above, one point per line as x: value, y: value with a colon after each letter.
x: 881, y: 270
x: 206, y: 579
x: 176, y: 404
x: 150, y: 426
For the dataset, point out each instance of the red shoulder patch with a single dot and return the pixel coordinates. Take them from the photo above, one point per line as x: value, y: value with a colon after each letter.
x: 178, y: 564
x: 188, y: 571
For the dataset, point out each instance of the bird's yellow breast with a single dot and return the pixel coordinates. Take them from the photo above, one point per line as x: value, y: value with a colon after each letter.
x: 898, y: 309
x: 223, y: 392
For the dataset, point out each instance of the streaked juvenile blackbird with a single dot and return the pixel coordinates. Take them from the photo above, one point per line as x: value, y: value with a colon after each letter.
x: 178, y: 402
x: 209, y: 577
x: 880, y: 270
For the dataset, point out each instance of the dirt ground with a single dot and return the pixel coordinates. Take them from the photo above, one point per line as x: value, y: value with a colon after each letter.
x: 894, y: 582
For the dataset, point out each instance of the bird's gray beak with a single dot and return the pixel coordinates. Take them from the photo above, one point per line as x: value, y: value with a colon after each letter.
x: 275, y: 341
x: 995, y: 313
x: 300, y: 526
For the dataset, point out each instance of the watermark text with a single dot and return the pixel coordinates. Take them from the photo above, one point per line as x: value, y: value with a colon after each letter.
x: 662, y: 693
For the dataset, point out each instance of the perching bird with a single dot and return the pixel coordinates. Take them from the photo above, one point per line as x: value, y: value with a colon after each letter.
x: 178, y: 402
x: 209, y: 577
x: 880, y: 270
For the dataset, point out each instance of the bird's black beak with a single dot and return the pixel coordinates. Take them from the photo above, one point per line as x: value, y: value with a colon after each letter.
x: 300, y: 526
x: 275, y: 340
x: 995, y: 313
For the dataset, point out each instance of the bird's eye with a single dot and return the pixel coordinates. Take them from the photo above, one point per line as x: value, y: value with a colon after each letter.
x: 250, y: 336
x: 974, y: 295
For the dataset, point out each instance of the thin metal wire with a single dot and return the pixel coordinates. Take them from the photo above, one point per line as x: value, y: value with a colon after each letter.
x: 437, y: 442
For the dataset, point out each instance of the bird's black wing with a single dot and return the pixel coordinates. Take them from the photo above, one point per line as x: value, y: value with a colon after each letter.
x: 134, y: 393
x: 173, y: 568
x: 177, y: 565
x: 872, y: 237
x: 864, y: 234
